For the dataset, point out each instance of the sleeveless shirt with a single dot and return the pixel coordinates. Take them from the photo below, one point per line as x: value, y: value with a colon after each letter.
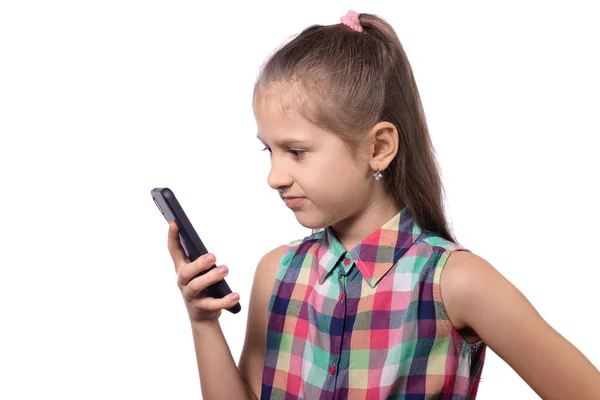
x: 368, y: 323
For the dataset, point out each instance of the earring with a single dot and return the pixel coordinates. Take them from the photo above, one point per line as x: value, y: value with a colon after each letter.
x: 378, y: 175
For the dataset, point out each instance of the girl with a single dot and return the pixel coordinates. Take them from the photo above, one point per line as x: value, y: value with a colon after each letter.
x: 383, y: 302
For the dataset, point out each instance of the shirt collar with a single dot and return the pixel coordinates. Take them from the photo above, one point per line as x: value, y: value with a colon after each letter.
x: 375, y: 255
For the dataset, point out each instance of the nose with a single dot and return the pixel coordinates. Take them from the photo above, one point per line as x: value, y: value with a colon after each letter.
x: 278, y: 177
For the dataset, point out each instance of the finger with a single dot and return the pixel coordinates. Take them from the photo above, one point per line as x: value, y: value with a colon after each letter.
x: 189, y: 270
x: 174, y: 246
x: 197, y: 285
x: 212, y: 304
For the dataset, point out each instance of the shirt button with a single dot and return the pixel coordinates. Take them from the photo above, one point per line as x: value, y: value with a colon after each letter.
x: 332, y: 369
x: 341, y: 296
x: 346, y: 261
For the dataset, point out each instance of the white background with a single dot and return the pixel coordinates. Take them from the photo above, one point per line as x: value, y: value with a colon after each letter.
x: 102, y: 101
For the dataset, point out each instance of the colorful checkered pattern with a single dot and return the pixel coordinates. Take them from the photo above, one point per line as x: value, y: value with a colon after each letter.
x: 368, y: 323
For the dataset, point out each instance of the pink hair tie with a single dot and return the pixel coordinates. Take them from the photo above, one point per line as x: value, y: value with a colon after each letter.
x: 351, y: 20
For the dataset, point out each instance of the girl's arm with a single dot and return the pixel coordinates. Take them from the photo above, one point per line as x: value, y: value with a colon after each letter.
x: 252, y: 359
x: 476, y: 295
x: 219, y: 377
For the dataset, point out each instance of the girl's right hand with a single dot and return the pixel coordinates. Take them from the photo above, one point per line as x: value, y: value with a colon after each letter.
x: 201, y: 307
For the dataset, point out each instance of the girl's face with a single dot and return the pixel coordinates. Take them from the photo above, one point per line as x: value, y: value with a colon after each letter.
x: 310, y: 162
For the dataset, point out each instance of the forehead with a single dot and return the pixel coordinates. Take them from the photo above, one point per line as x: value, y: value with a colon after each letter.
x: 278, y: 119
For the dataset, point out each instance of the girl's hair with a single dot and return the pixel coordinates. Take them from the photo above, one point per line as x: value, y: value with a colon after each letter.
x: 345, y: 82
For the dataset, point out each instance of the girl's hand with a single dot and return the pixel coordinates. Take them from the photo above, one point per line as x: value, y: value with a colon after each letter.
x: 201, y: 308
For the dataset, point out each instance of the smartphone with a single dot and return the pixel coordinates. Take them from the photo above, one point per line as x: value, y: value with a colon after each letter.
x: 190, y: 241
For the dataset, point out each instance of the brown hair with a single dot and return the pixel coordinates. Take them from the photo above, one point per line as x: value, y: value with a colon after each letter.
x: 347, y: 81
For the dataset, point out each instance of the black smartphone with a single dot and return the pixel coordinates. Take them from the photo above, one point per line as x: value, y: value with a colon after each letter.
x: 190, y: 241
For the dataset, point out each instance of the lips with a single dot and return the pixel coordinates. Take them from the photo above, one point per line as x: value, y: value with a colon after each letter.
x: 293, y: 201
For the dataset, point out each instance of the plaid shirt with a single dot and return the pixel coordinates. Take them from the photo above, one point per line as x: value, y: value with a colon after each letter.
x: 368, y: 323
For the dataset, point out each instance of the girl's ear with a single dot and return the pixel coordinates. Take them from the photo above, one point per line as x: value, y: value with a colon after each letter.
x: 384, y: 145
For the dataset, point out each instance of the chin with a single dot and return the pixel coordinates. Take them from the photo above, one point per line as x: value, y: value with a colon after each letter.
x: 306, y: 221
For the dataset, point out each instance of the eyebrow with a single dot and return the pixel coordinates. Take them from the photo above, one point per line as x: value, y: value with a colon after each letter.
x: 287, y: 141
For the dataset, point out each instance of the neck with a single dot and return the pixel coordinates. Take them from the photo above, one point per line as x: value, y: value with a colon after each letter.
x: 354, y: 229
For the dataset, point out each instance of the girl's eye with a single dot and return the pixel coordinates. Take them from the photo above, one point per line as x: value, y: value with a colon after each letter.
x: 266, y: 148
x: 296, y: 153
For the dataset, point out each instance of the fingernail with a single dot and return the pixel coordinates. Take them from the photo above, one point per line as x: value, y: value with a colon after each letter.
x: 209, y: 258
x: 235, y: 297
x: 222, y: 270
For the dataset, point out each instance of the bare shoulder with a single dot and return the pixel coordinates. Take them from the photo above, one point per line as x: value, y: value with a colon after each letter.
x: 461, y: 277
x: 476, y: 296
x: 251, y: 361
x: 264, y: 275
x: 270, y: 261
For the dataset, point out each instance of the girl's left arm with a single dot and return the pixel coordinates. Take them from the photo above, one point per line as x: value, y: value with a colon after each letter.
x: 477, y: 296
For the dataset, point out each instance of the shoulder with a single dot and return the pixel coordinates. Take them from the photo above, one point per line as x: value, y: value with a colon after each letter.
x: 274, y: 258
x: 269, y: 263
x: 470, y: 286
x: 272, y: 262
x: 462, y: 263
x: 465, y: 272
x: 477, y: 296
x: 274, y: 254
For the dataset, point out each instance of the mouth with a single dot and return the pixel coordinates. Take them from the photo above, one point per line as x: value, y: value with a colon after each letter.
x: 293, y: 202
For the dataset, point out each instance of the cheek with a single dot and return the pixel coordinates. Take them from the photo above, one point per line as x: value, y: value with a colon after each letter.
x: 335, y: 174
